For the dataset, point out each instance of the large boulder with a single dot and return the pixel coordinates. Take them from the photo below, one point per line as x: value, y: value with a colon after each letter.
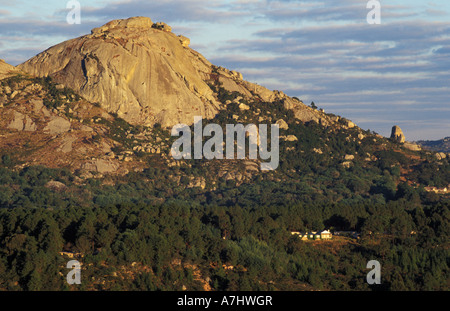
x: 57, y: 125
x: 22, y: 122
x: 184, y: 41
x: 101, y: 166
x: 412, y: 146
x: 440, y: 155
x: 282, y: 124
x: 397, y: 134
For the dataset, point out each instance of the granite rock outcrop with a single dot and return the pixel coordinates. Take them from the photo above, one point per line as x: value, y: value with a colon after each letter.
x: 146, y: 74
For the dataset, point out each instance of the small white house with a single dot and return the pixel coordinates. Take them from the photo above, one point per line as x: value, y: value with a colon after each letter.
x: 325, y: 235
x: 313, y: 235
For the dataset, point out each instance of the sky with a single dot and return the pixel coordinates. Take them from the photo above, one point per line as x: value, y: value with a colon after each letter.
x: 377, y: 75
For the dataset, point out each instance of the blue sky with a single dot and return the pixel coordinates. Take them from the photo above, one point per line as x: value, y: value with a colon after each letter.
x: 396, y: 73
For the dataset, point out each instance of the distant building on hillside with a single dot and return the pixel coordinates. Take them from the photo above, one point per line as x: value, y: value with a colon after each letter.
x: 71, y: 255
x: 325, y: 235
x: 437, y: 190
x: 313, y: 235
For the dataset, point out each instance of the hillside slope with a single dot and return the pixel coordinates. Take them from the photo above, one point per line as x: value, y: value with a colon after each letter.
x: 441, y: 145
x: 86, y: 173
x: 93, y: 104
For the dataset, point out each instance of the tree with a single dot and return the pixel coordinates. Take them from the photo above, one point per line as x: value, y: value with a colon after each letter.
x: 35, y: 282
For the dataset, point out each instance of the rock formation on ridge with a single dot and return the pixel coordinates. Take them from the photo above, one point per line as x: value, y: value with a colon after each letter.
x: 131, y: 69
x: 146, y: 74
x: 397, y: 134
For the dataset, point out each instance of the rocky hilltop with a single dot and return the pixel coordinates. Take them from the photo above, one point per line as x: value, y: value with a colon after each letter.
x: 398, y: 136
x: 6, y: 70
x: 92, y: 104
x: 143, y: 74
x: 147, y: 74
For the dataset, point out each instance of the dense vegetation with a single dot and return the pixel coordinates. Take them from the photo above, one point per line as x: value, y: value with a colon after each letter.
x: 258, y: 244
x: 152, y: 230
x: 154, y: 223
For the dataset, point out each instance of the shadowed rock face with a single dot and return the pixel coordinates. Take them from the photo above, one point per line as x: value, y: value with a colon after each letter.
x: 143, y: 74
x: 397, y: 134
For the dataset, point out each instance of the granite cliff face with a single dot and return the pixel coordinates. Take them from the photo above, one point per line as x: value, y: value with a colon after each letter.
x: 143, y: 74
x: 146, y: 74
